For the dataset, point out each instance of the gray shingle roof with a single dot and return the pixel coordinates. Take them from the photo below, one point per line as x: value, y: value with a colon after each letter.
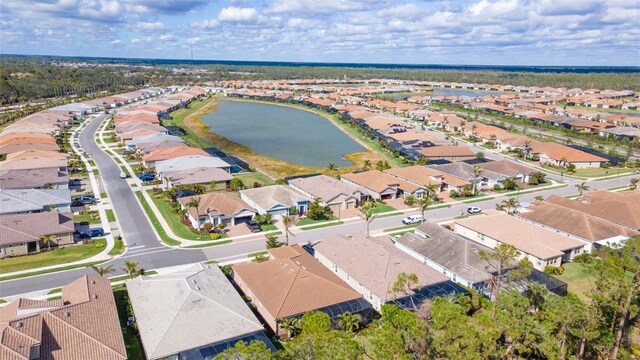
x: 25, y: 179
x: 189, y: 162
x: 26, y: 200
x: 326, y: 188
x: 189, y: 308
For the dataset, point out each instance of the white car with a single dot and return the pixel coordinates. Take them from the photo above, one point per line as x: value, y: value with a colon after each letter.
x: 123, y: 175
x: 474, y: 210
x: 413, y: 219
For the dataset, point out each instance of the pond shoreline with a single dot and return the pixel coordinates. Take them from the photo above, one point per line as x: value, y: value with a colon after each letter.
x: 272, y: 167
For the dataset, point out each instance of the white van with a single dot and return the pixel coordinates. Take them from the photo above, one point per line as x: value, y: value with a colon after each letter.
x: 413, y: 219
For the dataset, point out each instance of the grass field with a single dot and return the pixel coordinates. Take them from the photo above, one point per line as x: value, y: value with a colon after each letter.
x: 578, y: 279
x: 131, y: 340
x: 110, y: 215
x: 154, y: 221
x: 59, y: 256
x: 175, y: 222
x: 118, y: 248
x: 249, y: 178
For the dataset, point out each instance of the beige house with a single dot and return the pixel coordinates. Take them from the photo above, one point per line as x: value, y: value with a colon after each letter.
x: 331, y: 191
x: 423, y: 175
x: 380, y: 185
x: 217, y: 208
x: 542, y: 246
x: 22, y: 234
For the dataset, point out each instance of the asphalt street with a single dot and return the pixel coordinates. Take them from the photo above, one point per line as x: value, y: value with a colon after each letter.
x: 146, y: 249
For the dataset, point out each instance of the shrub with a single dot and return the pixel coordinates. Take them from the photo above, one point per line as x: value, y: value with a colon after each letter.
x: 236, y: 184
x: 549, y: 270
x: 559, y: 270
x: 265, y: 219
x: 206, y: 228
x: 409, y: 200
x: 453, y: 194
x: 215, y: 236
x: 497, y: 187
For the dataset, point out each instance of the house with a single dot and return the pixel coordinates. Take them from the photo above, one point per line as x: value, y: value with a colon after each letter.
x: 82, y: 324
x: 217, y: 208
x: 618, y: 208
x: 35, y: 159
x: 201, y: 313
x: 138, y: 141
x: 15, y: 147
x: 622, y: 133
x: 508, y: 168
x: 149, y: 147
x: 171, y: 153
x: 277, y: 200
x: 26, y: 137
x: 448, y: 152
x: 22, y: 234
x: 380, y: 185
x: 214, y: 178
x: 16, y: 201
x: 331, y: 191
x: 448, y: 253
x: 592, y: 230
x: 426, y: 176
x: 34, y: 179
x: 543, y: 247
x: 560, y: 155
x: 190, y: 162
x: 465, y: 171
x: 371, y: 266
x: 293, y: 283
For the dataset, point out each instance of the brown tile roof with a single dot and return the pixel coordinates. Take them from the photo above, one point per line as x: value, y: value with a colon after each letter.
x: 506, y: 167
x: 174, y: 152
x: 447, y: 151
x: 18, y: 228
x: 378, y: 181
x: 19, y: 147
x: 558, y: 151
x: 216, y: 203
x: 426, y: 176
x: 375, y: 262
x: 83, y: 325
x: 619, y: 208
x: 22, y: 138
x: 575, y: 222
x: 523, y: 235
x: 33, y: 153
x: 410, y: 135
x: 293, y: 283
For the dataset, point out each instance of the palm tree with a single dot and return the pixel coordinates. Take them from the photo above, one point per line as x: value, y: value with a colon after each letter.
x: 366, y: 213
x: 332, y: 167
x: 510, y: 206
x: 102, y: 270
x: 288, y: 221
x: 581, y: 188
x: 195, y: 203
x: 290, y: 326
x: 527, y: 148
x: 477, y: 171
x: 539, y: 198
x: 424, y: 202
x: 348, y: 321
x: 131, y: 268
x: 432, y: 190
x: 47, y: 240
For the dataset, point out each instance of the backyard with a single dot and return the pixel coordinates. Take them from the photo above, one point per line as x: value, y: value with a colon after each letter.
x: 577, y: 278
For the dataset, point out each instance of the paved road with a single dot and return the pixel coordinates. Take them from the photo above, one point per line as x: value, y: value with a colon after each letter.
x: 150, y: 253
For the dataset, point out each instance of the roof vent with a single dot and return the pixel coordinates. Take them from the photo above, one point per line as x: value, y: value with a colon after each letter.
x: 194, y: 281
x: 304, y: 276
x: 67, y: 314
x: 198, y: 288
x: 93, y: 282
x: 18, y: 324
x: 95, y: 296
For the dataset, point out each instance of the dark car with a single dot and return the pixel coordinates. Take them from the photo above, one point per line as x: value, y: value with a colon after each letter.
x: 253, y: 226
x: 83, y: 200
x: 75, y: 182
x: 92, y: 233
x: 147, y: 177
x: 183, y: 193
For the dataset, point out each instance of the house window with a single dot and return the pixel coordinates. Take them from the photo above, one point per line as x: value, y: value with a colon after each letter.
x: 419, y: 195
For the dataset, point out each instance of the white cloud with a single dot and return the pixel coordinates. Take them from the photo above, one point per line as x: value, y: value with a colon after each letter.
x: 206, y: 24
x: 149, y: 26
x: 238, y: 14
x: 313, y: 6
x: 116, y: 42
x: 166, y: 37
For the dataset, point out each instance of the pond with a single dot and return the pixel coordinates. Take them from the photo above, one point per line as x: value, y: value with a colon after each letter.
x: 296, y: 136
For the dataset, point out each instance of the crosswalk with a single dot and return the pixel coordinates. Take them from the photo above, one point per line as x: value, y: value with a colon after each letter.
x: 139, y: 250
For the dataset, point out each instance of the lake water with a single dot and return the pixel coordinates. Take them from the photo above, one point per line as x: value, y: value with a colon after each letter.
x: 296, y: 136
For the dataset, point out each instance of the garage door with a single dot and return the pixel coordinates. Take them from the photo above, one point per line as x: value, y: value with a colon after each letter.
x: 278, y: 212
x: 242, y: 220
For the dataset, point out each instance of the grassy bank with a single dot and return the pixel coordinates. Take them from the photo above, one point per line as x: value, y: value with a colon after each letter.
x: 199, y: 134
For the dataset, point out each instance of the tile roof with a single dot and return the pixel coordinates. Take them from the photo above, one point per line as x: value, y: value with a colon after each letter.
x: 507, y: 168
x: 10, y: 148
x: 325, y: 188
x: 375, y: 262
x: 188, y: 308
x: 28, y: 200
x: 446, y: 151
x: 25, y: 179
x: 379, y: 181
x: 216, y: 203
x: 268, y: 197
x: 18, y: 228
x: 575, y: 222
x: 558, y: 152
x: 197, y: 176
x: 525, y: 236
x: 619, y: 208
x: 293, y: 283
x: 449, y: 250
x: 190, y: 162
x: 82, y: 325
x: 424, y: 175
x: 174, y: 152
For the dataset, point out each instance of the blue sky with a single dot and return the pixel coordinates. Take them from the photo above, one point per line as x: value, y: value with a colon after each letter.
x: 500, y: 32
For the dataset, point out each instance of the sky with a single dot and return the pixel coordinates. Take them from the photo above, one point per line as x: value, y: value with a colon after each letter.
x: 478, y: 32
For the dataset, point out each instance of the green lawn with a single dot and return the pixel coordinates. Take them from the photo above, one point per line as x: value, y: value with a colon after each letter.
x: 382, y: 209
x: 177, y: 118
x: 598, y: 172
x: 118, y: 248
x: 259, y: 253
x: 42, y: 272
x: 103, y: 195
x: 54, y: 291
x: 578, y: 279
x: 210, y: 244
x: 92, y: 217
x: 154, y: 221
x: 269, y: 227
x: 322, y: 225
x: 131, y: 340
x: 248, y: 178
x: 307, y: 221
x: 175, y: 222
x: 59, y: 256
x: 400, y: 228
x: 110, y: 216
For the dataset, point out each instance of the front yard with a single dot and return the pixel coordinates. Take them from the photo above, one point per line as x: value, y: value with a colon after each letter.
x: 55, y: 257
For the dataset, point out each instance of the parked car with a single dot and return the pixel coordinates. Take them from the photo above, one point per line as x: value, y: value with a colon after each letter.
x: 75, y: 182
x: 413, y: 219
x: 253, y: 226
x: 87, y: 234
x: 183, y: 193
x: 123, y: 175
x: 147, y: 177
x: 83, y: 200
x: 474, y: 210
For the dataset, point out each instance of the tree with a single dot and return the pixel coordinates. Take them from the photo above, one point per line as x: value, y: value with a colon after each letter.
x: 131, y: 268
x: 194, y: 203
x: 382, y: 165
x: 291, y: 326
x: 403, y: 285
x: 366, y: 165
x: 348, y: 321
x: 509, y: 206
x: 288, y: 221
x: 332, y: 167
x: 366, y: 213
x: 432, y: 190
x: 477, y: 171
x: 500, y: 259
x: 236, y: 184
x: 102, y: 270
x: 509, y: 184
x: 422, y: 160
x: 582, y: 187
x: 539, y: 198
x: 480, y: 155
x: 318, y: 212
x: 424, y: 203
x: 272, y: 242
x: 255, y: 350
x: 47, y: 240
x: 633, y: 183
